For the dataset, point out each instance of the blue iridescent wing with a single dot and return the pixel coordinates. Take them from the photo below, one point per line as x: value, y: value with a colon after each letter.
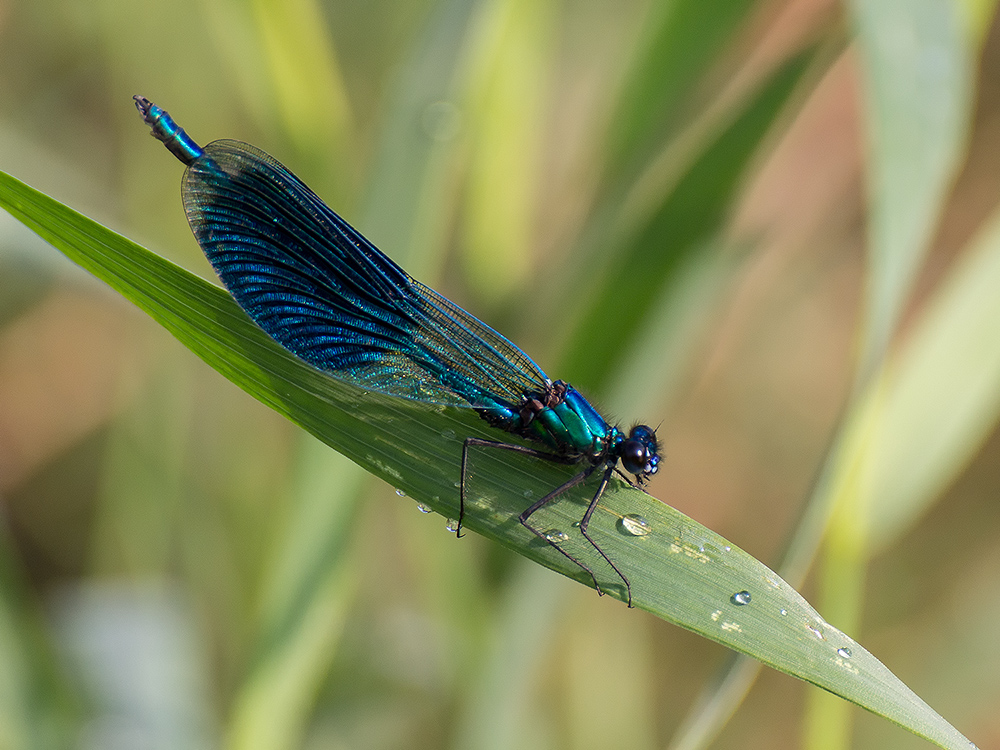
x: 319, y: 288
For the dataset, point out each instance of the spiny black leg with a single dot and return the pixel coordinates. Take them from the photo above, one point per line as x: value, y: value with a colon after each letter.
x: 503, y: 446
x: 585, y: 522
x: 523, y: 518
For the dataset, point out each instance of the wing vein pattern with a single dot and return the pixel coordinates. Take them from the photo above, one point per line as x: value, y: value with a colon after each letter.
x: 331, y: 297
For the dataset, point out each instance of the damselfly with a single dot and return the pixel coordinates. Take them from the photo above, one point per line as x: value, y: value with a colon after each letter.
x: 321, y: 290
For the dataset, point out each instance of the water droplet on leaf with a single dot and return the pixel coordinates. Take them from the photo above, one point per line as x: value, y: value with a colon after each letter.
x: 634, y: 524
x: 741, y: 598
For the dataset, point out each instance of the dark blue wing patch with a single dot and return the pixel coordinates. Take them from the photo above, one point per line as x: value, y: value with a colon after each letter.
x: 318, y: 287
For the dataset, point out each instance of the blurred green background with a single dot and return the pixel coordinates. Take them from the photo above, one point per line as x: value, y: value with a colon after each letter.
x: 766, y: 227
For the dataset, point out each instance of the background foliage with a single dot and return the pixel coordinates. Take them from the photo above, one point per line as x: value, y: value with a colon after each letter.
x: 766, y: 226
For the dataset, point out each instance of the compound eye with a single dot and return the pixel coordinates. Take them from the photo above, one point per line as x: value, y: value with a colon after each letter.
x: 634, y: 457
x: 643, y: 433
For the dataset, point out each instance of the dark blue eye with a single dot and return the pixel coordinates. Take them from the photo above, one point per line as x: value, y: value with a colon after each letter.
x: 634, y: 456
x: 639, y: 452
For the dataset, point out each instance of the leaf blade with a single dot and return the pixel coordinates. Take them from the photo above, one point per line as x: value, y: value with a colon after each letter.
x: 680, y: 571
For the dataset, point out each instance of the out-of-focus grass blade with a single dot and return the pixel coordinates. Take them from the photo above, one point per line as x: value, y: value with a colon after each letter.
x: 506, y: 123
x: 306, y: 599
x: 136, y: 646
x: 306, y: 83
x: 681, y: 39
x: 499, y: 707
x: 917, y: 63
x: 682, y: 224
x: 918, y: 73
x: 917, y: 59
x: 939, y: 399
x: 304, y: 605
x: 421, y: 124
x: 35, y: 706
x: 979, y: 15
x: 938, y: 396
x: 679, y: 570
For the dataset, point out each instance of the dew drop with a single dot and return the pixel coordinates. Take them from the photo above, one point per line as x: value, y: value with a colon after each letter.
x: 528, y: 494
x: 423, y: 508
x: 448, y: 434
x: 577, y: 524
x: 740, y: 598
x: 452, y: 525
x: 634, y: 524
x: 400, y: 493
x: 816, y: 632
x: 784, y: 612
x: 844, y: 652
x: 555, y: 535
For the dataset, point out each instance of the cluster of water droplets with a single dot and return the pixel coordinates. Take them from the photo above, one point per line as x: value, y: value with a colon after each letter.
x: 636, y: 525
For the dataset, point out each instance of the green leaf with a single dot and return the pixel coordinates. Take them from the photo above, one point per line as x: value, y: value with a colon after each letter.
x: 679, y: 570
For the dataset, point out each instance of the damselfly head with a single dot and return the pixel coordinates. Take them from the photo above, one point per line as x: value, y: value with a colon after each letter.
x: 638, y: 452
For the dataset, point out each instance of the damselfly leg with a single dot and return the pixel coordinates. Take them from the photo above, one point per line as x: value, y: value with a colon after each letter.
x: 525, y: 516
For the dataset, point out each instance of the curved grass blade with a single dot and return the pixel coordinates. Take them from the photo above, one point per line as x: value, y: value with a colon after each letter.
x: 919, y: 79
x: 918, y: 74
x: 680, y: 571
x: 35, y: 703
x: 681, y: 40
x: 680, y: 226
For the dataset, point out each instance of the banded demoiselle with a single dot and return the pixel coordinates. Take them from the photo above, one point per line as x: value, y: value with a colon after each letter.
x: 320, y: 289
